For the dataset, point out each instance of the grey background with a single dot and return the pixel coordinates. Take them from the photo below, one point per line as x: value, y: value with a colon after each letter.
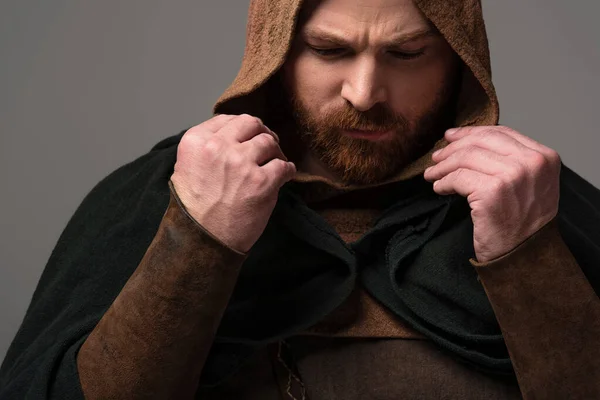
x: 88, y: 86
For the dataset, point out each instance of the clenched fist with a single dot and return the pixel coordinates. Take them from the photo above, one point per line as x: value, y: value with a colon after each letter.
x: 510, y: 181
x: 228, y: 174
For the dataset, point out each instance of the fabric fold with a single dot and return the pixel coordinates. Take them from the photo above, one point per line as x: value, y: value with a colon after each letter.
x: 300, y: 271
x: 415, y: 261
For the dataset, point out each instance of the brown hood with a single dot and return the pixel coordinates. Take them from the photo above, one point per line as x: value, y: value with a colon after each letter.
x: 270, y: 31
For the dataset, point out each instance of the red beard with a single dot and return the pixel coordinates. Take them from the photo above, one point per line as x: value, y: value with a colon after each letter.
x: 363, y: 161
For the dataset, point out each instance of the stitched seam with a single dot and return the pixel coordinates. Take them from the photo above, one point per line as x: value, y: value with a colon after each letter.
x: 291, y: 375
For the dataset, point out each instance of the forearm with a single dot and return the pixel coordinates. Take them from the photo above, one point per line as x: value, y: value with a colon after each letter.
x: 550, y: 318
x: 153, y: 340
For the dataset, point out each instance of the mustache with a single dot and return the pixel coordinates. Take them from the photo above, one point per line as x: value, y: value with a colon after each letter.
x: 378, y: 118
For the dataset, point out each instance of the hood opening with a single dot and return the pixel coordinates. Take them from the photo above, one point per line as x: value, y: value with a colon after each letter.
x: 270, y: 31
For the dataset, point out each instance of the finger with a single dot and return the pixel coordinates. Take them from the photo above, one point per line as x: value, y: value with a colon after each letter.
x: 279, y: 172
x: 463, y: 182
x: 470, y: 157
x: 458, y: 133
x: 488, y: 139
x: 244, y: 127
x: 527, y: 141
x: 263, y: 148
x: 216, y: 123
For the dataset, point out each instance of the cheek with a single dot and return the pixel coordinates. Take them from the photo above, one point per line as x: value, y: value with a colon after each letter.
x: 314, y: 84
x: 415, y: 91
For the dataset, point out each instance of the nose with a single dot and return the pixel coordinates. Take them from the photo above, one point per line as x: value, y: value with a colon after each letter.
x: 363, y: 87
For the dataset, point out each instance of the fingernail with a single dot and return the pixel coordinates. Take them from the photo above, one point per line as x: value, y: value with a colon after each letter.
x: 452, y: 131
x: 435, y: 153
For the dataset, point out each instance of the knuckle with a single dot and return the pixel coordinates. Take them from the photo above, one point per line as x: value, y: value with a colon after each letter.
x: 192, y: 131
x: 186, y: 142
x: 554, y: 157
x: 265, y: 140
x: 281, y: 166
x: 251, y: 121
x: 188, y: 146
x: 292, y: 167
x: 514, y: 172
x: 235, y: 159
x: 278, y: 168
x: 537, y: 160
x: 212, y: 146
x: 195, y: 132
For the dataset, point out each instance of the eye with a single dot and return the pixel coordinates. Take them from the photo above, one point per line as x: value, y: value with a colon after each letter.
x: 407, y: 56
x: 327, y: 52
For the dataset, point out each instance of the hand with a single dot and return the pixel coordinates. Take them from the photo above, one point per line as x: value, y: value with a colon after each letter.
x: 228, y: 174
x: 510, y: 181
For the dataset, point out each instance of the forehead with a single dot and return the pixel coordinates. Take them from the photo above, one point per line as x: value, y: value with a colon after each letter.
x: 387, y: 16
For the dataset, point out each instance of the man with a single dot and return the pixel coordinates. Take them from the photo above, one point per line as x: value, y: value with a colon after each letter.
x: 347, y: 244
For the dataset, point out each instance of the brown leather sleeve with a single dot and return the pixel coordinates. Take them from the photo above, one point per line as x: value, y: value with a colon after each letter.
x: 549, y: 315
x: 153, y: 340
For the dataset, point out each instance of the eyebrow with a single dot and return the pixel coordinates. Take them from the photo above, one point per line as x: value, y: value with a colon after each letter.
x: 395, y: 40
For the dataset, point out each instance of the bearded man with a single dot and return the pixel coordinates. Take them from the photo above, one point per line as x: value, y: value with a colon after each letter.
x: 353, y: 224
